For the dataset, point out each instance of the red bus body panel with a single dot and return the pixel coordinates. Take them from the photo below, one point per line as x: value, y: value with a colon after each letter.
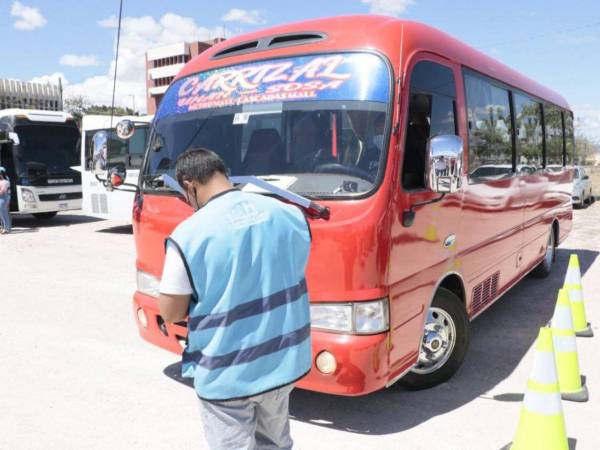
x: 364, y: 252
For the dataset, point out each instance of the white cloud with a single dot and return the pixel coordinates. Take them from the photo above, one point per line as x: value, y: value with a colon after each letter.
x: 587, y: 120
x: 78, y: 60
x: 27, y: 18
x: 51, y: 79
x: 247, y: 16
x: 388, y: 7
x: 138, y: 34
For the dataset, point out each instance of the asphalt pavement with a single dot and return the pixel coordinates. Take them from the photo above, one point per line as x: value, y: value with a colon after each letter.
x: 76, y: 375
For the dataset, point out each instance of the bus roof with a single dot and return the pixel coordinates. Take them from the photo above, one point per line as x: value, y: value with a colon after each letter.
x: 102, y: 121
x: 368, y: 32
x: 37, y: 115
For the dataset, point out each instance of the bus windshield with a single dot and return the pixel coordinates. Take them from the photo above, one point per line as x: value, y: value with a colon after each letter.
x: 53, y: 147
x: 315, y: 125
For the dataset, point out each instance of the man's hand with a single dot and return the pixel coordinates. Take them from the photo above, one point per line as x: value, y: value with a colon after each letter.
x: 173, y: 308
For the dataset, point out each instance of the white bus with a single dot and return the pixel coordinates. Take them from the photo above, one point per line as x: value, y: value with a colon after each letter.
x: 39, y: 151
x: 102, y: 150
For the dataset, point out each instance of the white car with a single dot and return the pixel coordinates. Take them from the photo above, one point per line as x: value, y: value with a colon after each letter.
x: 582, y: 188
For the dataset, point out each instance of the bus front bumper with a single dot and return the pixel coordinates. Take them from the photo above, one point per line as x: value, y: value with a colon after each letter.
x: 361, y: 362
x: 33, y: 200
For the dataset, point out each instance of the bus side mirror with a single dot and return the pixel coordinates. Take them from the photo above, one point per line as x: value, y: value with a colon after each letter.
x: 125, y: 129
x: 444, y: 163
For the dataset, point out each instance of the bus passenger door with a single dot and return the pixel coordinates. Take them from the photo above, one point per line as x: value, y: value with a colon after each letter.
x: 422, y: 252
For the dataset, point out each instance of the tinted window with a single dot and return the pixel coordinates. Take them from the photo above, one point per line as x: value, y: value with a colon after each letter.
x: 490, y: 129
x: 49, y: 147
x: 431, y: 113
x: 569, y: 138
x: 554, y: 136
x: 528, y: 123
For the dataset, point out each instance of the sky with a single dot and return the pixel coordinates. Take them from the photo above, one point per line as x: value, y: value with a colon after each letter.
x: 557, y: 43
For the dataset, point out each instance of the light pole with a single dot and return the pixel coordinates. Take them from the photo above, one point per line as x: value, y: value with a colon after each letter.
x: 132, y: 102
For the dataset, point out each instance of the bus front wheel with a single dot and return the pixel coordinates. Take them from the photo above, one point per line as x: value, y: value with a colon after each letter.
x: 45, y: 215
x: 444, y: 344
x: 543, y: 269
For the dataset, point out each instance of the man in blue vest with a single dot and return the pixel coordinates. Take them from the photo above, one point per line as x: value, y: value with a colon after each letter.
x: 236, y: 269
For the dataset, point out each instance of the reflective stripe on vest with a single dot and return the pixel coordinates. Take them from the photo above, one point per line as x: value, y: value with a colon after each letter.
x: 248, y: 309
x: 249, y: 354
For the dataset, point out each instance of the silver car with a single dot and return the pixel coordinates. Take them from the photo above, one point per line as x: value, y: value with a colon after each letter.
x: 582, y: 188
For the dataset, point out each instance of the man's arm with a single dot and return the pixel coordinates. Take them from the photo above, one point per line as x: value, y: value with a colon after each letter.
x: 173, y: 308
x: 175, y: 287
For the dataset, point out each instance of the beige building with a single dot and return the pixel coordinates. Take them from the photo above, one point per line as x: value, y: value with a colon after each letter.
x: 27, y: 95
x: 163, y: 63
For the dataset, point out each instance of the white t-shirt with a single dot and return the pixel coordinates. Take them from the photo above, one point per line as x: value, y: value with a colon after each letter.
x: 4, y: 187
x: 175, y: 280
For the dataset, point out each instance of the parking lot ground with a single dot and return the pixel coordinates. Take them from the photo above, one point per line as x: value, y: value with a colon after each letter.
x: 76, y: 375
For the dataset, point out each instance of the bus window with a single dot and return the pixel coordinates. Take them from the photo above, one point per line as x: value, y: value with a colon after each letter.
x: 490, y: 130
x: 554, y: 137
x: 569, y: 138
x: 528, y: 123
x: 431, y: 112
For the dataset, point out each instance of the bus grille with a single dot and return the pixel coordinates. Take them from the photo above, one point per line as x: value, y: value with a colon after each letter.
x: 58, y: 197
x: 485, y: 292
x: 99, y: 204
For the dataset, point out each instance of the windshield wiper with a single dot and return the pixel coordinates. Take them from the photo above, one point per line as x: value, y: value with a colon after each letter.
x: 313, y: 209
x: 156, y: 181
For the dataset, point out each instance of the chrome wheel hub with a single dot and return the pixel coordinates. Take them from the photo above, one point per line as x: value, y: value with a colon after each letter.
x: 438, y: 341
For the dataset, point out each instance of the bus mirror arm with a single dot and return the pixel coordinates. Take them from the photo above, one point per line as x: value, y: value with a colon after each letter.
x: 408, y: 216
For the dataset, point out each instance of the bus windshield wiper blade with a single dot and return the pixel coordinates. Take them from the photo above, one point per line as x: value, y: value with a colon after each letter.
x: 312, y: 208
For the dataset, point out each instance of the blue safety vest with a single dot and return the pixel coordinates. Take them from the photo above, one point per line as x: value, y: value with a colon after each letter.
x: 249, y: 320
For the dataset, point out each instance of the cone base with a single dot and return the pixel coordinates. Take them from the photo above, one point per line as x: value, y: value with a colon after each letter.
x: 572, y: 445
x: 586, y: 332
x: 580, y: 396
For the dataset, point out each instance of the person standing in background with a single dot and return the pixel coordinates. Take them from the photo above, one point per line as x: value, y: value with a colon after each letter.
x: 5, y: 202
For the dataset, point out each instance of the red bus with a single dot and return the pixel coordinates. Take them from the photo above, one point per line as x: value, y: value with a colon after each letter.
x: 445, y: 175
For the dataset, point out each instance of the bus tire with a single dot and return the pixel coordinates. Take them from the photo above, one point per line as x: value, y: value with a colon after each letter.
x: 543, y: 269
x: 447, y: 311
x: 44, y: 215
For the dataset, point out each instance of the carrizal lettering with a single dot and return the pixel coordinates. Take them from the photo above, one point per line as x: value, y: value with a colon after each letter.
x: 260, y: 82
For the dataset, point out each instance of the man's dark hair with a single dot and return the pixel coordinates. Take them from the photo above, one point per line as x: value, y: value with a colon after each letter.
x: 198, y: 164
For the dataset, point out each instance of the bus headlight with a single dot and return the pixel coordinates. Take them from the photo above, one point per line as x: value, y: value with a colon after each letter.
x: 147, y: 284
x: 27, y: 196
x: 331, y: 317
x: 353, y: 318
x: 371, y: 317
